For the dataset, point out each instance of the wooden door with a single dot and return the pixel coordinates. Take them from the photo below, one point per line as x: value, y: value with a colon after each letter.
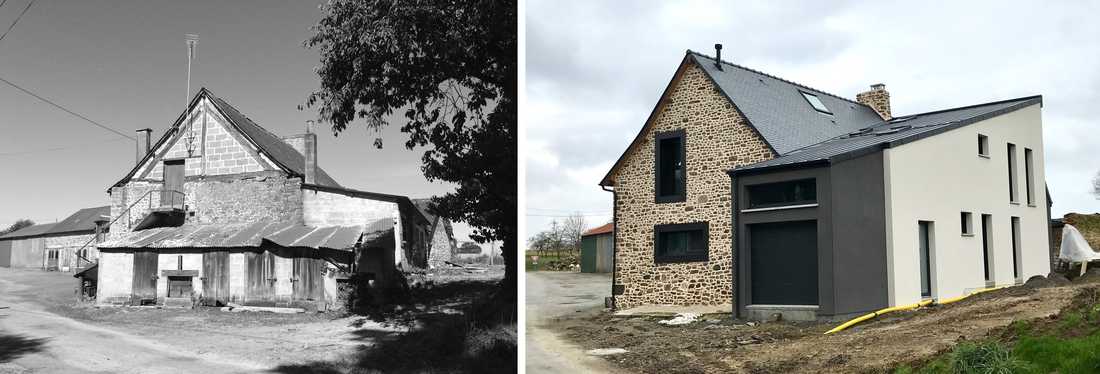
x: 173, y: 181
x: 145, y: 281
x: 261, y: 278
x: 52, y: 259
x: 307, y: 279
x: 179, y: 287
x: 215, y: 278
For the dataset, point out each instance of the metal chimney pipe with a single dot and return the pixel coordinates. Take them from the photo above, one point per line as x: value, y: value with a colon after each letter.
x: 144, y: 143
x: 309, y: 145
x: 718, y: 56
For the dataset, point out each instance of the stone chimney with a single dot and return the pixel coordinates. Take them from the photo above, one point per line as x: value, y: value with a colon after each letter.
x: 144, y: 142
x: 309, y: 145
x: 878, y: 99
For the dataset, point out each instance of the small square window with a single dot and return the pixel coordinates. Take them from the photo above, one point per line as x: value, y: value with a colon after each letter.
x: 967, y: 224
x: 815, y: 102
x: 683, y: 242
x: 983, y: 145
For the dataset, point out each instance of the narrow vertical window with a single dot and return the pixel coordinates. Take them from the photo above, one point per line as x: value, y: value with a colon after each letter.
x: 1029, y: 177
x: 983, y: 145
x: 1016, y: 268
x: 967, y: 224
x: 987, y: 246
x: 671, y: 171
x: 1012, y: 196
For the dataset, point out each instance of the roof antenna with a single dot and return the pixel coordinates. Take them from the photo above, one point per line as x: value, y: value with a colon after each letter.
x: 718, y: 58
x: 192, y: 39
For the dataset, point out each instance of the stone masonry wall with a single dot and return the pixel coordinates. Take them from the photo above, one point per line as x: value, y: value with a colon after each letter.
x: 717, y: 139
x: 238, y: 198
x: 67, y: 246
x: 878, y: 99
x: 442, y: 248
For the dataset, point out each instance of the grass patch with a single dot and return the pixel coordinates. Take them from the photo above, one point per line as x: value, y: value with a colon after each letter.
x: 1069, y: 343
x: 550, y: 261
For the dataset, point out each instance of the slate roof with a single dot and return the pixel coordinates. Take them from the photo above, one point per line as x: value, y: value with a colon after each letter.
x: 777, y: 110
x: 29, y: 231
x: 81, y: 221
x: 899, y: 131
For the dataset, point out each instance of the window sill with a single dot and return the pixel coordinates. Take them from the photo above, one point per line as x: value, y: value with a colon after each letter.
x: 814, y: 205
x: 968, y: 235
x: 1014, y: 202
x: 1032, y: 205
x: 670, y: 199
x: 983, y: 156
x: 679, y: 260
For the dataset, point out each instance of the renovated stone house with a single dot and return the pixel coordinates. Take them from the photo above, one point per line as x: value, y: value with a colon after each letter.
x: 221, y: 210
x: 773, y: 197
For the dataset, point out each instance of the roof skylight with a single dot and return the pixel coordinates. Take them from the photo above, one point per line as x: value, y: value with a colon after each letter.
x: 815, y: 102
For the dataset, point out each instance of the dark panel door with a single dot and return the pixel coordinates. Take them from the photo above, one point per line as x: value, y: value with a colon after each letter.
x: 307, y: 279
x: 173, y: 181
x: 145, y: 272
x: 783, y: 260
x: 179, y: 287
x: 215, y: 278
x: 261, y: 278
x: 925, y: 229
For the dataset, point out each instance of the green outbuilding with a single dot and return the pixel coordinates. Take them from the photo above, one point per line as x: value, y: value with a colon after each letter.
x: 597, y: 246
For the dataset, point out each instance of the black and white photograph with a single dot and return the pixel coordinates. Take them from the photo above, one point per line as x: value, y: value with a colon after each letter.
x: 258, y: 186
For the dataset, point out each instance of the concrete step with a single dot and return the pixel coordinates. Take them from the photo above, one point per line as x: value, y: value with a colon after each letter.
x: 177, y: 302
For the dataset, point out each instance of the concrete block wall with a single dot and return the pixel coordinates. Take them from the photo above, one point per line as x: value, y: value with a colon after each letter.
x: 116, y: 277
x: 321, y: 208
x: 222, y: 152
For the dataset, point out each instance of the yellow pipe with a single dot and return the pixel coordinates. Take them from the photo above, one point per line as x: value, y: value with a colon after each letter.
x: 880, y: 312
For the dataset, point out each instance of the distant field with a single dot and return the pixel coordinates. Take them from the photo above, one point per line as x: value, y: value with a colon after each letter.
x: 543, y: 260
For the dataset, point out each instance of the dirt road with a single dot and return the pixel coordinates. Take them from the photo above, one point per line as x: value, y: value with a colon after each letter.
x: 551, y: 295
x: 56, y: 344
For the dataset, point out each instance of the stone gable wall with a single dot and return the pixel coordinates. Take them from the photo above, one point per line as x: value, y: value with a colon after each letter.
x: 717, y: 139
x: 442, y: 246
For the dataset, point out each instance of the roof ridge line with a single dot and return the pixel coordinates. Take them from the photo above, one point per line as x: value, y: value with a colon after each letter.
x: 243, y: 115
x: 778, y: 78
x: 1022, y: 98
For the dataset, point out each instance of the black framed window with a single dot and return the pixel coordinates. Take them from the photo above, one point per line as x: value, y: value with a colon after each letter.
x: 796, y: 192
x: 671, y: 167
x: 1012, y: 173
x: 983, y: 145
x: 681, y: 242
x: 1029, y: 177
x: 967, y: 224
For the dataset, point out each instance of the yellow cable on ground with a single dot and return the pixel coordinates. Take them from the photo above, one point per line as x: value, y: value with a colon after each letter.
x: 880, y: 312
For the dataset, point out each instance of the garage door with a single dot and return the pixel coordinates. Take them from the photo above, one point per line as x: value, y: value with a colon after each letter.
x: 783, y: 258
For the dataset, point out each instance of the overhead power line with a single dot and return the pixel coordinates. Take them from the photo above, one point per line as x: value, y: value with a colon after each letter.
x: 58, y: 106
x: 16, y: 19
x: 2, y: 3
x: 61, y: 148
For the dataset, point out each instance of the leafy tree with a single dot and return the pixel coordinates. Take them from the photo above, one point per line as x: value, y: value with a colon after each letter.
x: 18, y: 225
x: 450, y: 68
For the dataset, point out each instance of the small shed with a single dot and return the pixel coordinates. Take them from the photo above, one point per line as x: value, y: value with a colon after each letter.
x: 597, y: 246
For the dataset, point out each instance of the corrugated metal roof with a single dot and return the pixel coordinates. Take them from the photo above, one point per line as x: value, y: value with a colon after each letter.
x: 249, y: 235
x: 29, y: 231
x: 901, y: 129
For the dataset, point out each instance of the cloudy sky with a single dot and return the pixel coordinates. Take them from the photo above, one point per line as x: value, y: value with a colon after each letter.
x: 124, y: 65
x: 596, y: 69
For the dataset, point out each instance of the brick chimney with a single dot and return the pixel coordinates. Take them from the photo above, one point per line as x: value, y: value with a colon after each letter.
x: 878, y: 98
x: 144, y: 142
x: 309, y: 145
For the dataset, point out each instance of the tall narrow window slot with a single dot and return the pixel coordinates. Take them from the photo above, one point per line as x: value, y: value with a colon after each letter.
x: 1012, y: 195
x: 987, y: 234
x: 983, y: 145
x: 1029, y: 177
x: 1016, y: 270
x: 926, y: 248
x: 671, y: 173
x: 967, y: 225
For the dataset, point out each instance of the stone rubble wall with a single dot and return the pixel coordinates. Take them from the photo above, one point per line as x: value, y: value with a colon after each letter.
x: 717, y: 138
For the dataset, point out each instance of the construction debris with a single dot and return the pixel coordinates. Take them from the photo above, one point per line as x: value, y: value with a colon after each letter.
x: 605, y: 351
x: 680, y: 319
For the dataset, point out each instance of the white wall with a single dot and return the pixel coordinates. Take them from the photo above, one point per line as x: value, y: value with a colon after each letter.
x: 937, y: 178
x: 170, y: 261
x: 320, y: 208
x: 116, y: 277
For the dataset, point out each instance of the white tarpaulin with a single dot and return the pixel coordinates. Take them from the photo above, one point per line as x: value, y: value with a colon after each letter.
x: 1074, y: 247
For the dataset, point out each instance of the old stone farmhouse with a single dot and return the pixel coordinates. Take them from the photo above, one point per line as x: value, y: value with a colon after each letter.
x: 220, y: 210
x: 749, y: 190
x: 67, y: 245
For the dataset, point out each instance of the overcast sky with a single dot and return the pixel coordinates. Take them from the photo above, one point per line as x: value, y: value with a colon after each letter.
x: 124, y: 64
x: 596, y: 69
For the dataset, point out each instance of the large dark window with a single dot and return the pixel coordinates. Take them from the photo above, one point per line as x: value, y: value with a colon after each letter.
x: 803, y: 191
x: 684, y: 242
x: 671, y: 170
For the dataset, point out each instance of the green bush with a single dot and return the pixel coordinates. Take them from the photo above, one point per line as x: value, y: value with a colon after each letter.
x: 985, y: 358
